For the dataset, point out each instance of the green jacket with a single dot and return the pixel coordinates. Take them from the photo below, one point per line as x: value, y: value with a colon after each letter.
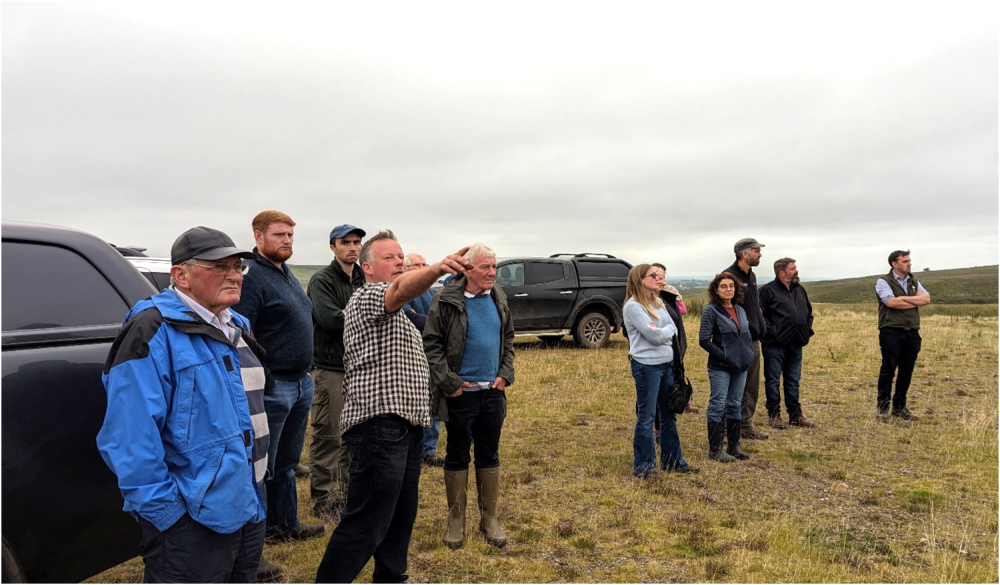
x: 329, y: 290
x: 444, y: 341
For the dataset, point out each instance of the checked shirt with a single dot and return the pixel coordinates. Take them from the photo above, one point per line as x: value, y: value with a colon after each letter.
x: 386, y: 368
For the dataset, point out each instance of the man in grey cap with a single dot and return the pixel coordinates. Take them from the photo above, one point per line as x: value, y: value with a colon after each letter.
x: 185, y: 429
x: 748, y: 255
x: 329, y: 290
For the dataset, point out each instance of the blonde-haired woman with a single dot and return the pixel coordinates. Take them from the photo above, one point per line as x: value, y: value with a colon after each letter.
x: 650, y: 331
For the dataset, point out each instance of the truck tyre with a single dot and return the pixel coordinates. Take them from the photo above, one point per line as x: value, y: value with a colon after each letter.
x: 592, y: 331
x: 12, y: 571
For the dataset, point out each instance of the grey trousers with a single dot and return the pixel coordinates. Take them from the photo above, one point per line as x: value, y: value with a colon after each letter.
x: 752, y: 389
x: 327, y: 452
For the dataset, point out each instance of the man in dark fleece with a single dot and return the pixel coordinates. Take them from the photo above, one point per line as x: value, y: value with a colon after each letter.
x: 280, y: 317
x: 748, y: 255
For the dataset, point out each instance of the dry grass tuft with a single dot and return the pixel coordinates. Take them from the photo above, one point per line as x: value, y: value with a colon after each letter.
x: 852, y: 500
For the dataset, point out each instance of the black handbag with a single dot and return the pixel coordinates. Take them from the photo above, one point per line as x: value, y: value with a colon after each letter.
x: 680, y: 392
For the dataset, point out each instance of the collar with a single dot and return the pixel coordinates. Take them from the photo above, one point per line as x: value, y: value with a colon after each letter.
x: 220, y: 322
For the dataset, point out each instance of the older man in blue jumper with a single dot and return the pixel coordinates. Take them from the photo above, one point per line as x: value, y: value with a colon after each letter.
x: 469, y: 340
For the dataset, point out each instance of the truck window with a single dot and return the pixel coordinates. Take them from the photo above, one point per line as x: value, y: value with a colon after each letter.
x: 545, y: 272
x: 602, y: 270
x: 511, y: 274
x: 46, y: 286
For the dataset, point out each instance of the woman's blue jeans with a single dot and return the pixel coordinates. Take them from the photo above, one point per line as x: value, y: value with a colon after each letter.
x: 652, y: 387
x: 725, y: 394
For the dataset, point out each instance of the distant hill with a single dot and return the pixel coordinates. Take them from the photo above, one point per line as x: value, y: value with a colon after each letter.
x: 959, y: 286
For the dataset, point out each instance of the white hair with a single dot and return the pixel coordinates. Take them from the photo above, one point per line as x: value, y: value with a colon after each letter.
x: 412, y: 255
x: 479, y: 249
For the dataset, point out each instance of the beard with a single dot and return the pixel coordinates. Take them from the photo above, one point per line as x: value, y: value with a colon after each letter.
x: 278, y: 255
x: 795, y: 280
x: 753, y: 261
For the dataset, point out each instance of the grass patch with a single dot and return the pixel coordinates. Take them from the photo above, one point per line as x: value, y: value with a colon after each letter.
x: 852, y: 500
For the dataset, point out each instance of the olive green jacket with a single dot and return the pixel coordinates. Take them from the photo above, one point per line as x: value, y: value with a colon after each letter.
x: 444, y: 341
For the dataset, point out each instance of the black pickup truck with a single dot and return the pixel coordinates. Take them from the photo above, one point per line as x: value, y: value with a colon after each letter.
x: 65, y: 294
x: 578, y: 294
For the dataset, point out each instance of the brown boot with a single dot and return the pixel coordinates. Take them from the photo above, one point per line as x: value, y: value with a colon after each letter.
x: 488, y: 486
x: 751, y: 431
x: 455, y: 486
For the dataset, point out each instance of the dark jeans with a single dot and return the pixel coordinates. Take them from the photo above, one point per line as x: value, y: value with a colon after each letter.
x: 899, y: 350
x: 188, y: 552
x: 652, y: 387
x: 782, y: 362
x: 474, y: 420
x: 384, y: 468
x: 287, y: 406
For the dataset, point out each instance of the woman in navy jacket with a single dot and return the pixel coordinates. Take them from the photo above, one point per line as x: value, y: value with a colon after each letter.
x: 725, y: 335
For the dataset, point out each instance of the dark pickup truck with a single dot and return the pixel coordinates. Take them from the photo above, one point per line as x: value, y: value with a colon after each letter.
x: 578, y: 294
x: 65, y: 294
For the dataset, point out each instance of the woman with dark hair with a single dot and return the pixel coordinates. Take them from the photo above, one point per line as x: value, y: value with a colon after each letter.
x: 650, y: 333
x: 725, y: 335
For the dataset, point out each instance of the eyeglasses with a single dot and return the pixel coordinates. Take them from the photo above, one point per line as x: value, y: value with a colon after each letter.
x: 223, y: 269
x: 654, y: 276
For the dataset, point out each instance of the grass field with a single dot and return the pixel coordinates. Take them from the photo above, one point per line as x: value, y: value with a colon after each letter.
x: 853, y: 500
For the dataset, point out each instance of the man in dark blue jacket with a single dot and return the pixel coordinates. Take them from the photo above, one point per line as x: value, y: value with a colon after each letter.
x: 788, y: 313
x: 185, y: 429
x: 280, y: 316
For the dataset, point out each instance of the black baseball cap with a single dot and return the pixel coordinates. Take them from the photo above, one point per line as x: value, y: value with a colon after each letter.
x: 205, y: 243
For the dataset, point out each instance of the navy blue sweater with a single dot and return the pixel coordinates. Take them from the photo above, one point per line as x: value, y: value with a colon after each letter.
x: 280, y: 316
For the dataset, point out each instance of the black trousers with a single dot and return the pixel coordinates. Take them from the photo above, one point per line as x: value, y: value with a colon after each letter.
x: 189, y: 552
x: 899, y: 351
x: 382, y: 499
x: 474, y: 421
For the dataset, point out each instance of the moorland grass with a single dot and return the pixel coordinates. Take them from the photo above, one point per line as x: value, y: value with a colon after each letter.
x: 852, y: 500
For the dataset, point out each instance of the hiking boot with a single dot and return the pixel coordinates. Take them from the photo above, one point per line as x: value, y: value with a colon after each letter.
x: 733, y: 435
x: 650, y: 476
x: 301, y: 470
x: 716, y: 432
x: 750, y: 431
x: 456, y: 484
x: 903, y: 413
x: 268, y: 572
x: 432, y: 460
x: 300, y: 532
x: 776, y: 422
x: 801, y: 421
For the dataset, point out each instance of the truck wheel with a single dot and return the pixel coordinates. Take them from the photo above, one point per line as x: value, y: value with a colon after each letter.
x: 592, y: 331
x: 550, y: 340
x: 12, y: 571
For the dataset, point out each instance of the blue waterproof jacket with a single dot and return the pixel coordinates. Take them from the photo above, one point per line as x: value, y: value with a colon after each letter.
x: 178, y: 431
x: 729, y: 349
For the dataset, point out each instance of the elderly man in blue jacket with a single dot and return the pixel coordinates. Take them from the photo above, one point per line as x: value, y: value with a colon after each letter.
x: 185, y: 430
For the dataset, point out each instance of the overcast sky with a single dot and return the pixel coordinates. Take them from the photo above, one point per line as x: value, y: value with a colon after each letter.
x: 833, y: 132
